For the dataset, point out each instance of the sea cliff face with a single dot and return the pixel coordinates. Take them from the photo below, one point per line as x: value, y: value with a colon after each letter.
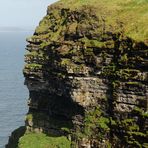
x: 87, y: 80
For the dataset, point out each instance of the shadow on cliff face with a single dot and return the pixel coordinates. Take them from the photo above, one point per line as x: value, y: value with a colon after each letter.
x: 52, y: 109
x: 14, y: 139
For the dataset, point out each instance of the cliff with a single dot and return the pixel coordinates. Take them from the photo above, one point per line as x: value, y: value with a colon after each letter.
x: 86, y: 71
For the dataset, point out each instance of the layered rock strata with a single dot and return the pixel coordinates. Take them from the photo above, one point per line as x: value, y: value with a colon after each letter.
x: 87, y: 81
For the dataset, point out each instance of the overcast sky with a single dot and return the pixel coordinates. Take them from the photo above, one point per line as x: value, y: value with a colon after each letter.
x: 22, y: 13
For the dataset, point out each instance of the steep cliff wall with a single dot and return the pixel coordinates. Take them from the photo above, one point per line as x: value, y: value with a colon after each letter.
x: 86, y: 71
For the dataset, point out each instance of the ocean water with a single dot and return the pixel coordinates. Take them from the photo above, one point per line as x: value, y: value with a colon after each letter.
x: 13, y: 93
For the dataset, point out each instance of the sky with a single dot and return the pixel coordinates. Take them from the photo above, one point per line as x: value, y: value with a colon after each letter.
x: 22, y: 13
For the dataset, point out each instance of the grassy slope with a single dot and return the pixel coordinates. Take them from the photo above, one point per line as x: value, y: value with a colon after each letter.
x: 34, y: 140
x: 132, y: 13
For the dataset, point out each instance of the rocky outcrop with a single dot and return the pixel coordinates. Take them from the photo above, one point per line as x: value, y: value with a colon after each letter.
x: 87, y: 80
x: 14, y: 138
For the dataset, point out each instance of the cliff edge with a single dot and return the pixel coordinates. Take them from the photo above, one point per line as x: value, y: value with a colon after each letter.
x: 86, y: 71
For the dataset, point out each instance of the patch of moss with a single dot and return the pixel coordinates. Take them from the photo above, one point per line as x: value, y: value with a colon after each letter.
x: 72, y: 27
x: 92, y: 43
x: 133, y: 83
x: 96, y: 126
x: 145, y: 145
x: 72, y: 67
x: 57, y: 34
x: 29, y: 117
x: 124, y: 59
x: 33, y: 66
x: 128, y: 73
x: 66, y: 62
x: 109, y: 71
x: 34, y: 140
x: 44, y: 25
x: 131, y: 132
x: 34, y: 54
x: 141, y: 112
x: 44, y: 44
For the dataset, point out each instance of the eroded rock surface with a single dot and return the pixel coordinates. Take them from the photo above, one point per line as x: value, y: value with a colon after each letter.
x: 86, y: 81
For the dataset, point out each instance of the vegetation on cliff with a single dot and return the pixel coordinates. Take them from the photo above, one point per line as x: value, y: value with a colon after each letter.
x: 129, y: 15
x: 87, y: 73
x: 34, y: 140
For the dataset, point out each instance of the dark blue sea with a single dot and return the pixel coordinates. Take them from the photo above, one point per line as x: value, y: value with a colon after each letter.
x: 13, y: 93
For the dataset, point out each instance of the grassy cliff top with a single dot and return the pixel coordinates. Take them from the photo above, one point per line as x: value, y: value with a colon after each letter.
x: 133, y: 14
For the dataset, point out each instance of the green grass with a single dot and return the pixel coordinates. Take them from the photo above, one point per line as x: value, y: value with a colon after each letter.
x: 34, y: 140
x: 132, y: 15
